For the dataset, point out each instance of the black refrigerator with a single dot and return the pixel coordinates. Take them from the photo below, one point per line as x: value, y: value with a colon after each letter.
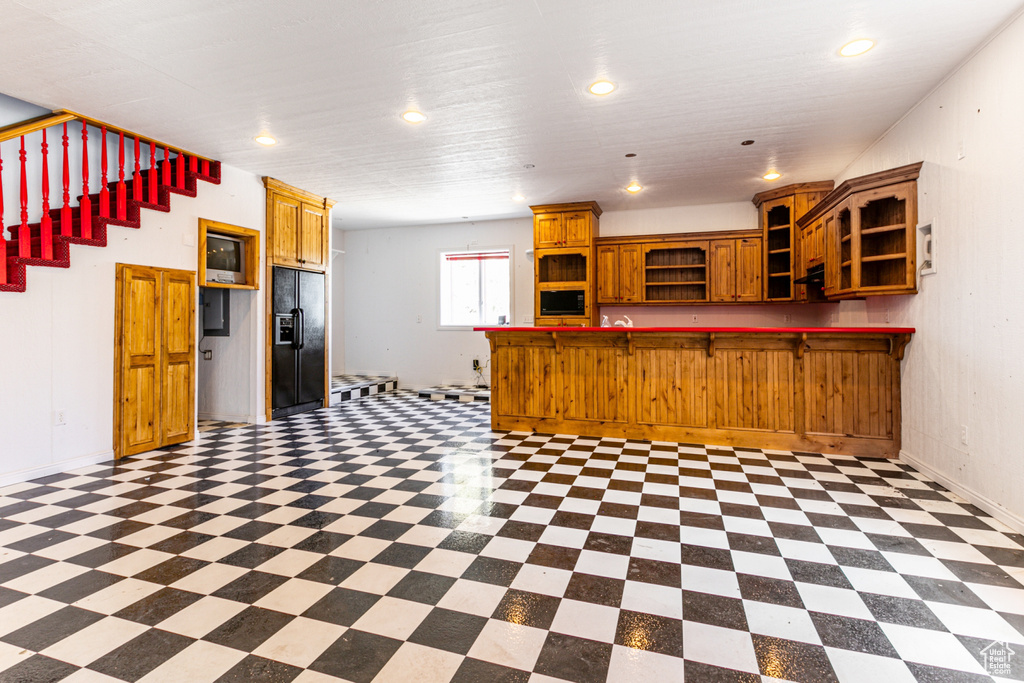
x: 299, y: 339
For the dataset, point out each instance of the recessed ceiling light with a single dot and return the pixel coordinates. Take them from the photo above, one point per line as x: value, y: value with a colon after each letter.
x: 602, y: 87
x: 519, y: 198
x: 856, y: 47
x: 634, y: 187
x: 747, y: 142
x: 772, y: 175
x: 266, y: 140
x: 413, y: 116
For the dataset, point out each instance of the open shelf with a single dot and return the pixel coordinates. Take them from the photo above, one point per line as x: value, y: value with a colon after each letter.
x: 882, y: 257
x: 779, y: 251
x: 882, y: 228
x: 692, y: 265
x: 786, y: 274
x: 677, y: 273
x: 560, y: 267
x: 671, y: 284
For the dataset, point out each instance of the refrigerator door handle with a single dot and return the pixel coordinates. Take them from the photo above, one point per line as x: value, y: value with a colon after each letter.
x: 302, y: 328
x: 296, y: 329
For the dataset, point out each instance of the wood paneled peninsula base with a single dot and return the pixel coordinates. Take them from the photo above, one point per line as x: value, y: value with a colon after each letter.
x: 833, y: 390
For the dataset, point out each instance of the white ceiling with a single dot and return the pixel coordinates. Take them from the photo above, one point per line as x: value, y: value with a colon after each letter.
x: 503, y: 84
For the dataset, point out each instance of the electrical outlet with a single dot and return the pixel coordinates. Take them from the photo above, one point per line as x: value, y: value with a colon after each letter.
x: 59, y: 418
x: 887, y: 316
x: 961, y: 151
x: 833, y: 317
x: 787, y: 318
x: 963, y: 434
x: 694, y: 318
x: 419, y: 318
x: 207, y: 355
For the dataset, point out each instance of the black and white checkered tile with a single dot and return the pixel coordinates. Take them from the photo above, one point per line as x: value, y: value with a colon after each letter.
x: 453, y: 392
x: 399, y: 539
x: 350, y: 387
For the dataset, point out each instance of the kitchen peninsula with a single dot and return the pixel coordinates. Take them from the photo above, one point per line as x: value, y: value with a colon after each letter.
x: 833, y: 390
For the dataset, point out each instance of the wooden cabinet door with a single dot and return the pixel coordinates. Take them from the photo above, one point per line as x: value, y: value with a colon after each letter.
x: 577, y: 228
x: 548, y: 230
x: 177, y: 361
x: 283, y: 232
x: 721, y: 270
x: 630, y: 275
x: 608, y: 274
x: 748, y: 270
x: 154, y: 362
x: 830, y: 252
x: 312, y: 237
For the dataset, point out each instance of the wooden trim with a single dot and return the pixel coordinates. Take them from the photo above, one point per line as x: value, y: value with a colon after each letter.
x: 16, y: 130
x: 127, y: 133
x: 678, y: 237
x: 796, y: 188
x: 859, y: 184
x: 251, y: 239
x: 284, y: 188
x: 572, y: 206
x: 118, y: 353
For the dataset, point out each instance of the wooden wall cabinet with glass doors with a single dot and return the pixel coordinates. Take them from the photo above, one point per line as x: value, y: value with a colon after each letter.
x: 869, y: 226
x: 778, y: 212
x: 564, y: 263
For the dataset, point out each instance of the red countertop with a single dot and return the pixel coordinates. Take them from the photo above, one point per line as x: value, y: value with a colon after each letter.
x: 725, y: 330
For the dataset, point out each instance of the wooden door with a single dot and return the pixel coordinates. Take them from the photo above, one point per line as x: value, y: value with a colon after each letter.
x: 630, y: 277
x: 548, y: 230
x: 312, y: 237
x: 722, y: 272
x: 283, y: 232
x: 608, y: 274
x: 576, y: 225
x: 177, y: 363
x: 748, y: 270
x: 154, y: 363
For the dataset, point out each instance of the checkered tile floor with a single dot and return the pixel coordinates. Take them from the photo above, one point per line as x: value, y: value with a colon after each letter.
x: 399, y: 539
x: 453, y: 392
x: 352, y: 387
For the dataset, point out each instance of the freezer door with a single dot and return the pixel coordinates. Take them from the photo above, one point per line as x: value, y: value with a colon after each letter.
x: 313, y: 339
x: 284, y: 355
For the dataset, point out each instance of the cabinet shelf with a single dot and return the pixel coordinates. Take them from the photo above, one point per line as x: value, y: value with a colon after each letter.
x: 674, y: 284
x: 772, y: 228
x: 882, y: 257
x: 846, y: 264
x: 689, y: 265
x: 883, y: 228
x: 786, y: 274
x: 779, y: 251
x: 846, y: 238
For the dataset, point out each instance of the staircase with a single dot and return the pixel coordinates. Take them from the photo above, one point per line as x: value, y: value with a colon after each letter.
x: 154, y: 172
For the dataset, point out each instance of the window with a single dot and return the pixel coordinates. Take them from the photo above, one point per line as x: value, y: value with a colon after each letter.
x: 475, y: 287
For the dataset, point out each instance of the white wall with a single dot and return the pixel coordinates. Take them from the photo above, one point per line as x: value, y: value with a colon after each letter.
x: 59, y: 355
x: 964, y: 367
x: 226, y: 386
x: 391, y: 280
x: 337, y: 320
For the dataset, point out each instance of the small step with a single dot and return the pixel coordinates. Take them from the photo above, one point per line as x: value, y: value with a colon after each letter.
x: 452, y: 392
x: 351, y: 387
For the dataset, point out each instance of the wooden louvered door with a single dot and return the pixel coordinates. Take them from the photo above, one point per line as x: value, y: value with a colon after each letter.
x: 154, y: 362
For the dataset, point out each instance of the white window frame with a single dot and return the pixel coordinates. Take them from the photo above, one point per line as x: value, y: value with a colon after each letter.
x: 475, y: 248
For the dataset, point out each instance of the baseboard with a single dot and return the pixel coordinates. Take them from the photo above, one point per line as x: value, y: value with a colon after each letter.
x: 223, y: 417
x: 55, y: 468
x: 1011, y: 519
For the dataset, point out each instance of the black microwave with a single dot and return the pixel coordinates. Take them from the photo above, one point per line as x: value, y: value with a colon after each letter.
x: 563, y: 302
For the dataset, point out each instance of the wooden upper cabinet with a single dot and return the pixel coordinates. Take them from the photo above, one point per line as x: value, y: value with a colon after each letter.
x: 869, y: 227
x: 722, y: 273
x: 313, y: 242
x: 578, y: 227
x: 779, y: 210
x: 748, y: 270
x: 734, y: 270
x: 548, y: 230
x: 283, y: 230
x: 618, y: 274
x: 608, y: 274
x: 298, y: 227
